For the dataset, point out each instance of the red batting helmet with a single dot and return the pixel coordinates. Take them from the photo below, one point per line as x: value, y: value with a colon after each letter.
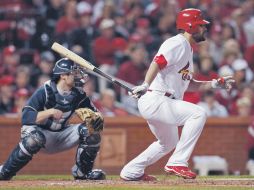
x: 189, y: 20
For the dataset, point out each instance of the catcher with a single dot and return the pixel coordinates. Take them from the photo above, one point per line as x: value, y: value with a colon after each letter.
x: 45, y: 124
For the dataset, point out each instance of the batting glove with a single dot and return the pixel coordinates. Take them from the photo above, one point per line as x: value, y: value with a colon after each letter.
x: 138, y: 91
x: 223, y: 82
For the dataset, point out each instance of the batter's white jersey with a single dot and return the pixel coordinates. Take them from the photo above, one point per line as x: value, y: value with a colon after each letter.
x: 175, y: 59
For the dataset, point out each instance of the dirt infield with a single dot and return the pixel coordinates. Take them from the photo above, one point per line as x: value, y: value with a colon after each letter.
x: 242, y: 182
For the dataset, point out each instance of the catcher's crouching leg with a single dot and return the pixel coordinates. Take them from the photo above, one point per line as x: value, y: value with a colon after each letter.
x: 85, y: 156
x: 22, y: 154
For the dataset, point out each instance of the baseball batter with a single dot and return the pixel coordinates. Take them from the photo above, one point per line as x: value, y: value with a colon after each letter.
x: 45, y: 125
x: 168, y: 77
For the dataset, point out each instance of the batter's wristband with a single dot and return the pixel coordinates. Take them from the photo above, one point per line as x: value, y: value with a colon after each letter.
x: 221, y: 81
x: 146, y: 85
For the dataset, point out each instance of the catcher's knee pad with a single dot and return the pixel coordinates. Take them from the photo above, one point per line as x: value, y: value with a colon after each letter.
x: 33, y: 142
x: 83, y: 132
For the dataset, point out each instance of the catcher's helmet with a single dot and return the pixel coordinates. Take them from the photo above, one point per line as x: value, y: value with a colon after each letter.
x: 189, y: 20
x: 63, y: 66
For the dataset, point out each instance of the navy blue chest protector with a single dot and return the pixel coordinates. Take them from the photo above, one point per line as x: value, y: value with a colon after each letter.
x: 66, y: 103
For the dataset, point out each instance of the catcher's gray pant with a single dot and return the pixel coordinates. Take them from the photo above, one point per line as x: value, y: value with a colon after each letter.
x: 163, y: 115
x: 56, y: 141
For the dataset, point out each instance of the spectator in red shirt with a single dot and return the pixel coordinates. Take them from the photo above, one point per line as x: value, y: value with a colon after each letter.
x: 21, y: 96
x: 68, y: 21
x: 143, y: 30
x: 105, y: 48
x: 10, y: 60
x: 133, y: 71
x: 6, y: 94
x: 7, y: 25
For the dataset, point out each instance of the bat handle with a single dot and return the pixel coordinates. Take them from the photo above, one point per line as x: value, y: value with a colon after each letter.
x: 122, y: 85
x: 98, y: 71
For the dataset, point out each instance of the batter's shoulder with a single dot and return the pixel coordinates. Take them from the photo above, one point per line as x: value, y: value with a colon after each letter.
x: 172, y: 43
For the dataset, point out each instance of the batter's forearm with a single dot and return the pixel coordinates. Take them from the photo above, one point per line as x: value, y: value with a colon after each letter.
x: 196, y: 85
x: 151, y: 73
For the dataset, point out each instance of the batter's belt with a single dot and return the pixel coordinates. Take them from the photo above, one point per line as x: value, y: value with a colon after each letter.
x: 168, y: 94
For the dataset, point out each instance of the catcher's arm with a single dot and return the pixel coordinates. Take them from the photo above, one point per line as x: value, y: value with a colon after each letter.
x: 222, y: 82
x: 94, y: 121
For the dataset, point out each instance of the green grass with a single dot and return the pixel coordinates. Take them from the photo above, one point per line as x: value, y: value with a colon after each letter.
x: 46, y: 182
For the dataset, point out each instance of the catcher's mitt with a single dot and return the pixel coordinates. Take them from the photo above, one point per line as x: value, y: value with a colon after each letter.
x: 93, y: 120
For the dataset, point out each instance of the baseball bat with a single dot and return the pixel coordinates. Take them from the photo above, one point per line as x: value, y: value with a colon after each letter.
x: 86, y: 64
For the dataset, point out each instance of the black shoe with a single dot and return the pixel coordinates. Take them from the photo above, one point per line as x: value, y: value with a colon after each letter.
x: 95, y: 174
x: 4, y: 177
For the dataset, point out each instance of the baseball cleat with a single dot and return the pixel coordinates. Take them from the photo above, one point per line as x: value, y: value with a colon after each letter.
x: 181, y: 171
x: 144, y: 177
x: 3, y: 176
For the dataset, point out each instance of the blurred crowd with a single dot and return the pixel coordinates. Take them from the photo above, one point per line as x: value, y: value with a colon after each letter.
x: 121, y: 37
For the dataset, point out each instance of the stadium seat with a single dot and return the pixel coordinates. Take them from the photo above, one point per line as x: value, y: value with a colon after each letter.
x: 204, y: 164
x: 250, y: 167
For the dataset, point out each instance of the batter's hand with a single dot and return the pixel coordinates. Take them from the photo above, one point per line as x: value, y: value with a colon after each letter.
x: 223, y: 82
x: 138, y: 91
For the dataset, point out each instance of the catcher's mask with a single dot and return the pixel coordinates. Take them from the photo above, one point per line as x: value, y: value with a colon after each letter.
x: 65, y: 66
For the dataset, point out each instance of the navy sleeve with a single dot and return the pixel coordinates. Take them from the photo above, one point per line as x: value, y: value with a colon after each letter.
x: 86, y: 103
x: 35, y: 104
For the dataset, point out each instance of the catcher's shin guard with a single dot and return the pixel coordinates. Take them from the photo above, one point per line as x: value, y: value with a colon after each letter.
x: 22, y: 154
x: 85, y: 156
x: 17, y: 160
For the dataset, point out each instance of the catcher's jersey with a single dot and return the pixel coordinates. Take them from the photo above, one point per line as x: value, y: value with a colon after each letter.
x: 176, y: 66
x: 47, y: 97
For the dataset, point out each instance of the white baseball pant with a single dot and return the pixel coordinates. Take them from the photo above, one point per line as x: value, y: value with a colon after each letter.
x: 163, y: 116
